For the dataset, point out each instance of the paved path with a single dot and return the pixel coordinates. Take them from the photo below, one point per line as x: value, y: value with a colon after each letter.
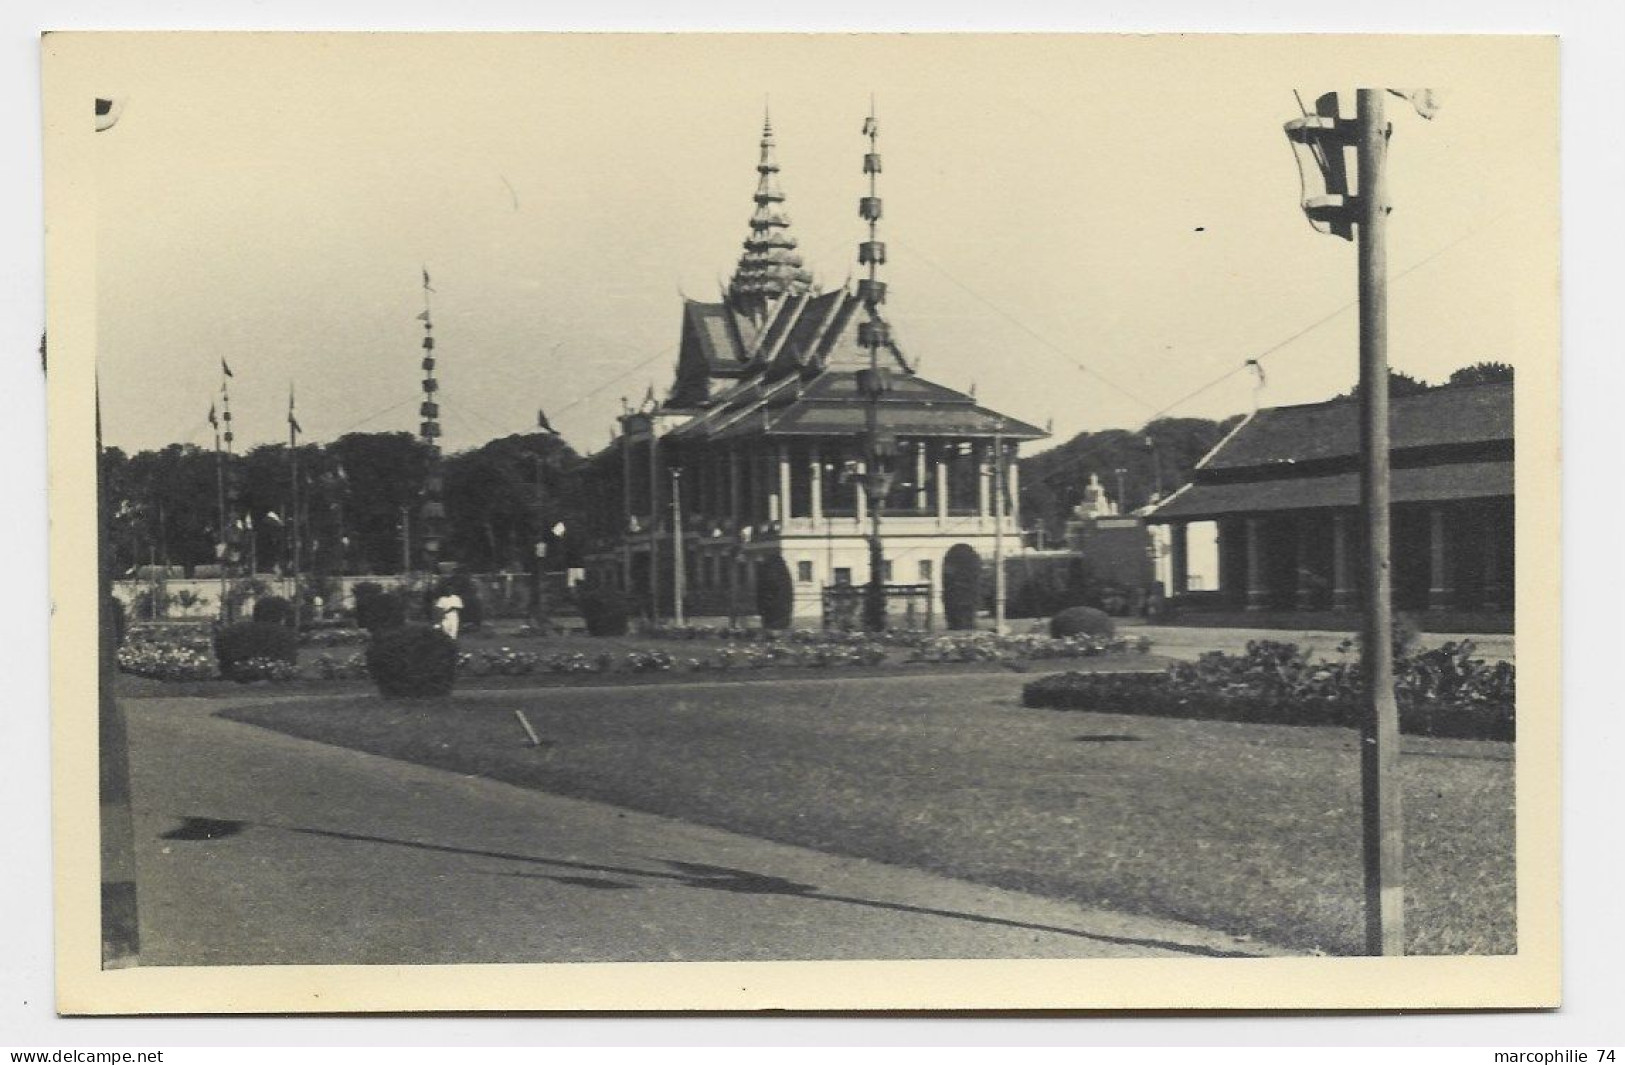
x: 258, y: 848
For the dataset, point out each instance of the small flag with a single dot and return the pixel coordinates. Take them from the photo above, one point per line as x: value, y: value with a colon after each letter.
x: 107, y: 112
x: 214, y: 419
x: 423, y: 316
x: 870, y: 127
x: 225, y: 368
x: 542, y: 423
x: 293, y: 423
x: 426, y: 287
x: 1426, y: 101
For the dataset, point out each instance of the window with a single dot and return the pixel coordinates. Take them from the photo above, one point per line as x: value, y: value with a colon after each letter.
x: 804, y: 572
x: 925, y: 571
x: 885, y: 571
x: 843, y: 576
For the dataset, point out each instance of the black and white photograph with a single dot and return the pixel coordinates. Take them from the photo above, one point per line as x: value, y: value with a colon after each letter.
x: 689, y: 521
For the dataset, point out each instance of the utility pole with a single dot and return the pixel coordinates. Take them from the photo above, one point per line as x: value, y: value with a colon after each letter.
x: 1379, y: 731
x: 1122, y: 490
x: 677, y: 572
x: 1321, y: 140
x: 998, y: 527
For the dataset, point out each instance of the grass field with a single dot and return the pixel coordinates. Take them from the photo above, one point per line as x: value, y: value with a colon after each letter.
x: 1251, y: 829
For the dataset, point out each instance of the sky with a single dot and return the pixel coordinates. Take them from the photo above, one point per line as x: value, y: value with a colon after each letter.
x: 1085, y: 229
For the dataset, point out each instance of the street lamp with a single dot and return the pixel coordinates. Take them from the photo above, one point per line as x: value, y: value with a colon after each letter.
x: 1322, y: 143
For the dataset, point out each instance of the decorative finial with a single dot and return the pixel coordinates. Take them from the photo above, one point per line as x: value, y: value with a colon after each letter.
x: 770, y: 267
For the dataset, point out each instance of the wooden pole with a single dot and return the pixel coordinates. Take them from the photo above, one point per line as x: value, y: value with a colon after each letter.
x: 1384, y: 846
x: 998, y: 528
x: 293, y: 491
x: 678, y: 574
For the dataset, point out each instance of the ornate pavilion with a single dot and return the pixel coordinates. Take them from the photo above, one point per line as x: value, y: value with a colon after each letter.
x: 758, y: 450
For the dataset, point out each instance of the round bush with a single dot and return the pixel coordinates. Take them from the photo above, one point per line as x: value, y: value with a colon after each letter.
x: 273, y: 610
x: 1081, y: 621
x: 379, y: 610
x: 961, y: 586
x: 775, y: 593
x: 235, y: 646
x: 412, y: 662
x: 605, y: 611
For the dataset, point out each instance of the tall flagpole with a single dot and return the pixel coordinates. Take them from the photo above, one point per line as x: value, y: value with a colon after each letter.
x: 220, y: 505
x: 228, y: 494
x: 293, y: 453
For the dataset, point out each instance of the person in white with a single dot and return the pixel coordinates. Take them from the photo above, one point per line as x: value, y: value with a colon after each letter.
x: 449, y: 609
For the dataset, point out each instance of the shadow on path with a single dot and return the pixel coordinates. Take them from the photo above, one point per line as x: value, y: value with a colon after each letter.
x: 717, y: 878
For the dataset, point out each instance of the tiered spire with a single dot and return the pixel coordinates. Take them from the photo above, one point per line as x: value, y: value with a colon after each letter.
x: 770, y: 267
x: 434, y: 511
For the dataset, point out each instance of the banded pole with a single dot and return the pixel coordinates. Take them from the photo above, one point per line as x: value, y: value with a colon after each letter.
x: 874, y: 382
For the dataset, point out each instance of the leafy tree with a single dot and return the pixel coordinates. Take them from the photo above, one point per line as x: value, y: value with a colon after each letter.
x: 1482, y: 373
x: 382, y: 478
x: 1156, y: 460
x: 1400, y: 383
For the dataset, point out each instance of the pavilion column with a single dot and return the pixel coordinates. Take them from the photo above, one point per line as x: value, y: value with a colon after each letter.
x: 984, y: 484
x: 815, y: 482
x: 1441, y: 596
x: 1012, y: 488
x: 733, y: 487
x: 1342, y: 583
x: 1494, y: 594
x: 942, y: 485
x: 782, y: 453
x: 1304, y: 595
x: 1257, y: 588
x: 922, y: 499
x: 1179, y: 545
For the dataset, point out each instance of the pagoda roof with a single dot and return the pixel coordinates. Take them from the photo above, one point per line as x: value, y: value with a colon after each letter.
x: 830, y: 404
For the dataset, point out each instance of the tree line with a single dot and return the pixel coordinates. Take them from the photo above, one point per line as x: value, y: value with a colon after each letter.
x: 359, y: 501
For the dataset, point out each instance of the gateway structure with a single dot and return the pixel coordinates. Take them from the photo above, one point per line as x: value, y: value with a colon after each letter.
x: 759, y: 450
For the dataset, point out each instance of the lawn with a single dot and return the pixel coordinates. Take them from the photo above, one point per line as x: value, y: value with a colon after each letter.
x: 1254, y: 830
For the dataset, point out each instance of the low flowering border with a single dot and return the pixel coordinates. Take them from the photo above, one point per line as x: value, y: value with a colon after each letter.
x: 1444, y: 692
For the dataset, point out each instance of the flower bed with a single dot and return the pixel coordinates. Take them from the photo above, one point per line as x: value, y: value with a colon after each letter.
x: 189, y: 658
x: 1444, y: 692
x: 168, y: 661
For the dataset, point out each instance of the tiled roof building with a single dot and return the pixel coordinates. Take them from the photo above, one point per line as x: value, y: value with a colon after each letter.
x: 1284, y: 488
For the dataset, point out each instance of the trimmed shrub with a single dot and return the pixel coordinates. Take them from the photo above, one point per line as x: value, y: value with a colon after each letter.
x: 273, y: 610
x: 412, y: 662
x: 775, y: 594
x: 378, y: 610
x: 605, y: 611
x: 236, y: 646
x: 961, y: 586
x: 1081, y: 621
